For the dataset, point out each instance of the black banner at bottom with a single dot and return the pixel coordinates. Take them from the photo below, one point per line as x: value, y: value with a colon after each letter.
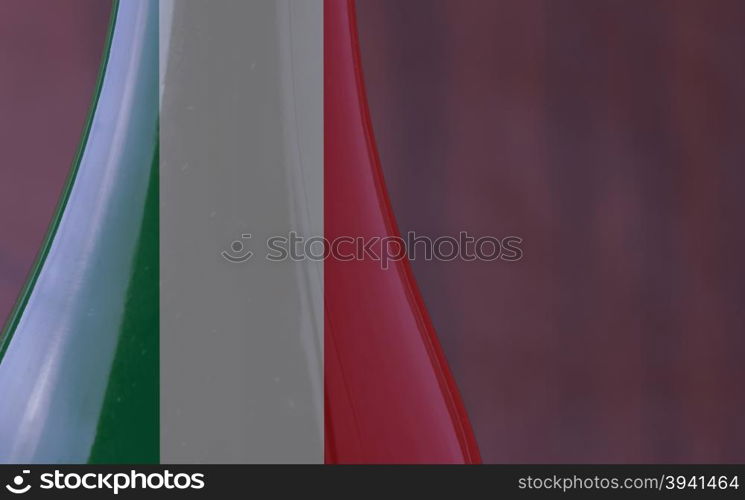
x: 512, y: 481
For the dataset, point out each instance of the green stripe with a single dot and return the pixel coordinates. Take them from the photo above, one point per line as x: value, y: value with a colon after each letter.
x: 129, y: 426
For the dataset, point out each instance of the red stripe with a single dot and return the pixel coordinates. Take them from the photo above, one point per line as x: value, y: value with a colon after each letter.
x: 390, y: 397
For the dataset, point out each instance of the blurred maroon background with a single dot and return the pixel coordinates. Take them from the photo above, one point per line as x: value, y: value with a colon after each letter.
x: 49, y: 58
x: 610, y: 137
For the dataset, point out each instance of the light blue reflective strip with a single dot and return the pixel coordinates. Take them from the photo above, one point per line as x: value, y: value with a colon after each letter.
x: 55, y: 372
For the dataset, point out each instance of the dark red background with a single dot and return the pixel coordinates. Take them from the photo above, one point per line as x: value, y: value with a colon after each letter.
x: 49, y: 57
x: 608, y: 135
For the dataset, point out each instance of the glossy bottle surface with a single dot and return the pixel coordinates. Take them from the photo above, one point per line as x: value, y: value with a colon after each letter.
x: 390, y: 397
x: 78, y: 373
